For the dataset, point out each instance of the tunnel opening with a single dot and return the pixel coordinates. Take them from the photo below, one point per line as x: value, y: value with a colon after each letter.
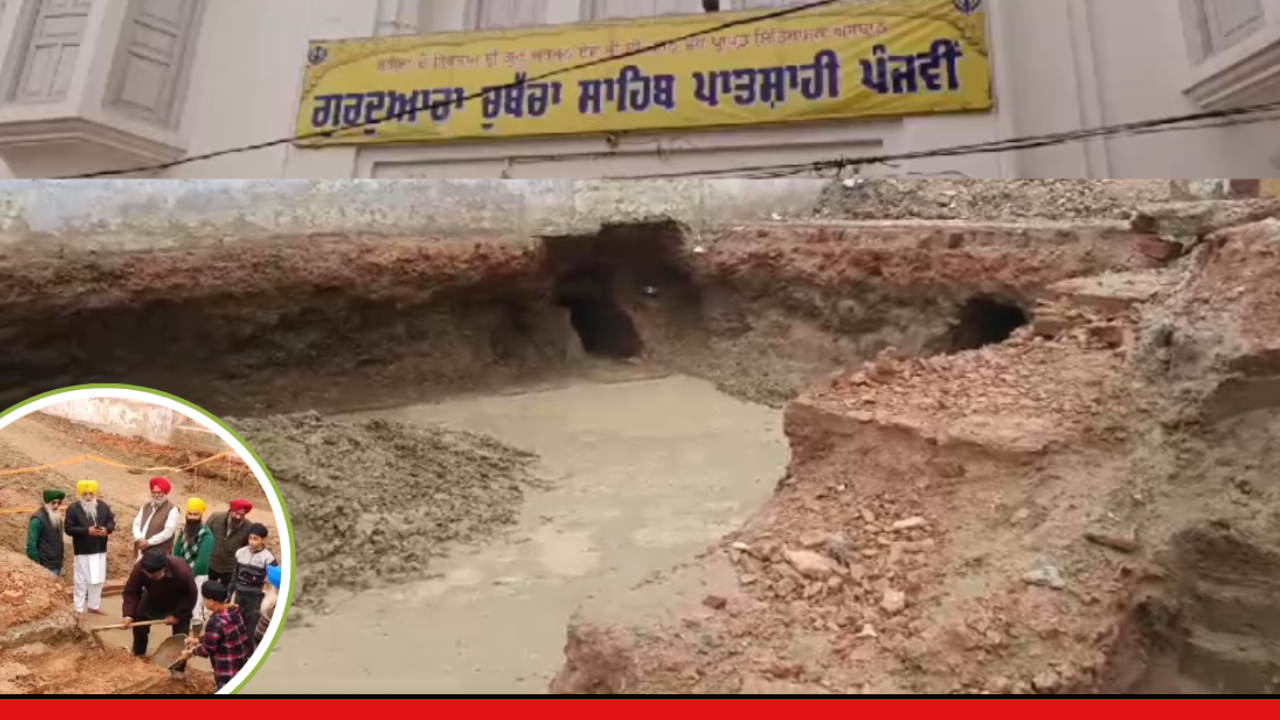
x: 603, y: 327
x: 986, y: 321
x: 610, y: 281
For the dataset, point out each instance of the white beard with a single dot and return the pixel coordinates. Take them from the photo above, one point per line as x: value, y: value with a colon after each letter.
x: 90, y: 510
x: 55, y: 516
x: 157, y: 503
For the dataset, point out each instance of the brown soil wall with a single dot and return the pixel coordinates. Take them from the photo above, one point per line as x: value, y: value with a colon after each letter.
x: 341, y: 323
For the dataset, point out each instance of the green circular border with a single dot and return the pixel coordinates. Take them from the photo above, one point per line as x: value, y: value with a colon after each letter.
x: 293, y: 551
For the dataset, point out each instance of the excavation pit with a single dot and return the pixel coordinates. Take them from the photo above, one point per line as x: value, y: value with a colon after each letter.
x: 645, y: 472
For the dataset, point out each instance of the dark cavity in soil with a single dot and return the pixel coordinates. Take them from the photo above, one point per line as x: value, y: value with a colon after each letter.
x: 986, y: 321
x: 601, y: 278
x: 603, y: 327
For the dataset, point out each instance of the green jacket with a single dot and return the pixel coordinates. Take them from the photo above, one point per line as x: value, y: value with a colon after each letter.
x: 34, y: 528
x: 197, y: 554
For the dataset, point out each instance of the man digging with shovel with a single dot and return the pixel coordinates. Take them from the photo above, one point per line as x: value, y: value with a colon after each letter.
x: 160, y: 587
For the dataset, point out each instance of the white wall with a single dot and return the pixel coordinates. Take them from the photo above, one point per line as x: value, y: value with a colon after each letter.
x: 126, y: 418
x: 1060, y: 65
x: 1086, y: 63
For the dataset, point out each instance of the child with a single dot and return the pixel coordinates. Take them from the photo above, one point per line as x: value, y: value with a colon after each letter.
x: 268, y: 605
x: 226, y: 642
x: 250, y: 576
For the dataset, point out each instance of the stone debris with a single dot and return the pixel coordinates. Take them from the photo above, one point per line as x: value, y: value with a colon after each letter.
x: 893, y: 601
x: 811, y: 565
x: 930, y: 498
x: 1046, y: 576
x: 1121, y: 542
x: 995, y: 200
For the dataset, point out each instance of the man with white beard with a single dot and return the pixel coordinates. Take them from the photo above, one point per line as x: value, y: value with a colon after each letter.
x: 158, y: 521
x: 44, y: 533
x: 89, y: 522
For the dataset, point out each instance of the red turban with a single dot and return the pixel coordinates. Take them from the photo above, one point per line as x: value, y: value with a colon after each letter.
x: 241, y: 506
x: 159, y: 483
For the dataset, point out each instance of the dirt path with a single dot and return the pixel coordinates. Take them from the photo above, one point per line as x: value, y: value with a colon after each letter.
x: 646, y: 473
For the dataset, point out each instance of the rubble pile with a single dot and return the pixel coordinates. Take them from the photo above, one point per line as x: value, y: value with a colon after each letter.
x: 1087, y: 507
x: 374, y: 502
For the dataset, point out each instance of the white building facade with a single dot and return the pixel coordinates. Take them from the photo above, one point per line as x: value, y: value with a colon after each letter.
x: 94, y: 85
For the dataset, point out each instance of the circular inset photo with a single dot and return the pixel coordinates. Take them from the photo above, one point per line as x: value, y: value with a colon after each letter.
x: 144, y: 549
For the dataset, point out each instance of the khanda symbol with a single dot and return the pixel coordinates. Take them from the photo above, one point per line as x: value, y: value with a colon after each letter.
x: 967, y: 7
x: 320, y: 53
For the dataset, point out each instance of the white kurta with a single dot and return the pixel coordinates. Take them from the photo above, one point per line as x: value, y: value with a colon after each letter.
x: 197, y: 614
x: 90, y: 574
x: 143, y: 520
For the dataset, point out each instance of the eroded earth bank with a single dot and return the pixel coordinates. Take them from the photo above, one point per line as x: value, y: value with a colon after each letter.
x: 1028, y: 456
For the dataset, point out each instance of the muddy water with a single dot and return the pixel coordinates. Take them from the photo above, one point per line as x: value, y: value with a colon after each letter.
x: 647, y: 474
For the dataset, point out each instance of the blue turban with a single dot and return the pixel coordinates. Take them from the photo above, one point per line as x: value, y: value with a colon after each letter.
x: 273, y: 576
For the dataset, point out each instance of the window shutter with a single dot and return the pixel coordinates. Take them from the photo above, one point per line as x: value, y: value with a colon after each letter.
x: 53, y: 47
x: 154, y: 49
x: 1230, y: 21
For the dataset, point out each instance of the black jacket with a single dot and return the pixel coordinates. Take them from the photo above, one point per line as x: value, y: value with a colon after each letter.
x: 49, y: 545
x: 77, y: 526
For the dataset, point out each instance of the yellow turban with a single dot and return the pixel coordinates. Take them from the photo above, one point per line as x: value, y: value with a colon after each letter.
x: 196, y: 505
x: 86, y: 486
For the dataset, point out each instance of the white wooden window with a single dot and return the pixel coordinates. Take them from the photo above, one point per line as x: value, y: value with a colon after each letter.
x: 1214, y: 26
x: 153, y: 58
x: 502, y: 14
x: 54, y: 31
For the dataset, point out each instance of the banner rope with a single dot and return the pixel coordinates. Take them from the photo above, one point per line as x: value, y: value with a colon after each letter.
x: 101, y: 461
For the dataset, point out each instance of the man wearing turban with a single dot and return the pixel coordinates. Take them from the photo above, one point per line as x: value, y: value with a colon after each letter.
x: 274, y: 576
x: 89, y: 523
x: 44, y: 533
x: 230, y: 533
x: 158, y: 521
x: 194, y: 546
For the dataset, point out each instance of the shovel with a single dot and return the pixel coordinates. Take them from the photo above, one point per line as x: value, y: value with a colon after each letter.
x: 121, y: 626
x: 97, y: 639
x: 169, y: 654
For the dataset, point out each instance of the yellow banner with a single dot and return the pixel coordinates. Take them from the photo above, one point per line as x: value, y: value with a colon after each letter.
x: 850, y: 60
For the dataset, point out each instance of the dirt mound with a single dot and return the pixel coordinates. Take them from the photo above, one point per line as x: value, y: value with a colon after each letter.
x: 28, y: 592
x: 373, y: 502
x: 44, y: 650
x: 870, y: 199
x: 80, y: 669
x: 1088, y: 507
x: 780, y: 307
